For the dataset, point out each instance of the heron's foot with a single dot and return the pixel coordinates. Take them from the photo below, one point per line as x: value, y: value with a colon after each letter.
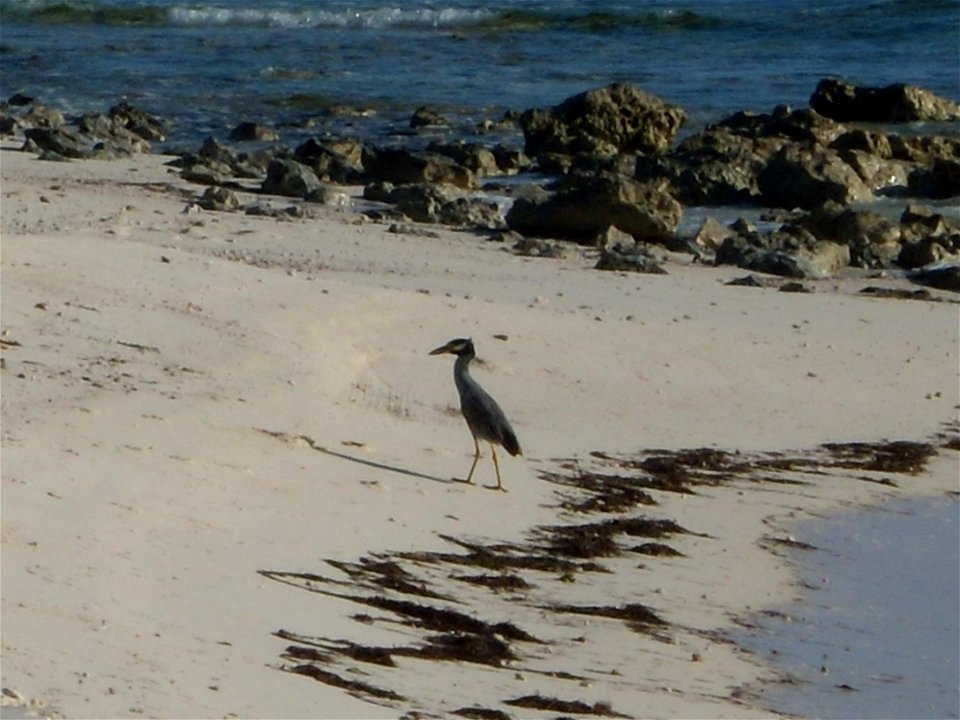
x: 466, y: 481
x: 501, y: 488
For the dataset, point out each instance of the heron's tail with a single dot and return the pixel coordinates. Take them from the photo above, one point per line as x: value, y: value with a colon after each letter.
x: 510, y: 442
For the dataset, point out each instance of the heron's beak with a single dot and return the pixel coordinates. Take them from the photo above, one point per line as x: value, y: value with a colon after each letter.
x: 441, y: 350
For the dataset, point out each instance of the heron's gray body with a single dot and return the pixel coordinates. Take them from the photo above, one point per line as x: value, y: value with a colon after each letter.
x: 484, y: 417
x: 482, y: 413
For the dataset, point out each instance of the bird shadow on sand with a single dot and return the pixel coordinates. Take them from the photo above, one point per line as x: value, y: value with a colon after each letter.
x: 313, y: 445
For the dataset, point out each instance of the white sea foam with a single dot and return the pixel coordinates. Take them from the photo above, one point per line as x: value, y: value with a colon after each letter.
x: 377, y: 18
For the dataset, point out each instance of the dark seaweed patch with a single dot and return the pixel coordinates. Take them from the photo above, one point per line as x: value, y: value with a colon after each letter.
x: 605, y: 493
x: 482, y: 649
x: 480, y: 713
x: 495, y: 582
x: 445, y: 619
x: 599, y: 539
x: 385, y: 574
x: 501, y: 557
x: 789, y: 542
x: 656, y: 549
x: 901, y: 456
x: 898, y: 293
x: 574, y: 707
x: 354, y: 687
x: 681, y: 470
x: 324, y: 650
x: 632, y: 613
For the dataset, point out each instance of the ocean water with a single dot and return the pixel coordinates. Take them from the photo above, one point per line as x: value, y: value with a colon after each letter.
x: 877, y: 633
x: 292, y: 64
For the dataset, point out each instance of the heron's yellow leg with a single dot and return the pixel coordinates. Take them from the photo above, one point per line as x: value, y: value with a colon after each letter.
x: 476, y: 458
x: 496, y: 466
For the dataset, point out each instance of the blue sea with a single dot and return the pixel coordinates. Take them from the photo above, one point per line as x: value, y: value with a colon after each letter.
x: 295, y: 64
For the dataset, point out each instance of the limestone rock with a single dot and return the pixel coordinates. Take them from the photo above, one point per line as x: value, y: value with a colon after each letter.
x: 473, y: 156
x: 62, y: 141
x: 801, y: 176
x: 429, y: 203
x: 219, y: 198
x: 289, y: 178
x: 338, y: 161
x: 138, y: 121
x: 400, y: 165
x: 939, y: 181
x: 252, y: 132
x: 943, y: 276
x: 712, y: 234
x: 588, y: 205
x: 426, y: 117
x: 722, y: 164
x: 790, y: 251
x: 614, y: 119
x: 538, y: 247
x: 632, y: 259
x: 873, y: 240
x: 896, y: 103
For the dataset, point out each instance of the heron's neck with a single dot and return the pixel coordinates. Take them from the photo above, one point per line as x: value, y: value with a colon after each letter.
x: 460, y: 372
x: 460, y: 366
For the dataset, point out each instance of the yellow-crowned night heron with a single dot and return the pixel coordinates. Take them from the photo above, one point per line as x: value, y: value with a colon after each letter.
x: 484, y: 417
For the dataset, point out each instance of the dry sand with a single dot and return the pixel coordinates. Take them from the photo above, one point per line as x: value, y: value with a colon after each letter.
x: 172, y: 378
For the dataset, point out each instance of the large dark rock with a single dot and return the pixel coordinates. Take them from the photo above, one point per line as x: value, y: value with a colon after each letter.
x: 873, y: 239
x: 213, y: 149
x: 138, y: 121
x: 113, y: 133
x: 804, y: 176
x: 429, y: 203
x: 924, y: 149
x: 290, y: 178
x: 896, y: 103
x: 924, y: 166
x: 715, y: 167
x: 426, y: 117
x: 399, y: 165
x: 473, y: 156
x: 471, y: 213
x: 943, y: 276
x: 62, y: 141
x: 219, y: 198
x: 252, y: 132
x: 338, y: 161
x: 784, y: 122
x: 634, y: 257
x: 790, y: 251
x: 42, y: 116
x: 619, y: 118
x: 939, y: 181
x: 927, y: 237
x: 586, y: 206
x: 510, y: 160
x: 216, y: 163
x: 722, y: 164
x: 420, y: 202
x: 8, y: 124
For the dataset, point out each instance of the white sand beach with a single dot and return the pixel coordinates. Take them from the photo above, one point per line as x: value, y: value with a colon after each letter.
x: 172, y: 377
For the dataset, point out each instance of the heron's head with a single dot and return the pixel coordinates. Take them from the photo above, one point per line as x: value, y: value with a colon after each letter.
x: 459, y: 347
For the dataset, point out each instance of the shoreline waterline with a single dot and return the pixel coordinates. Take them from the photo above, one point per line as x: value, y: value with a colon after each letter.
x: 875, y: 631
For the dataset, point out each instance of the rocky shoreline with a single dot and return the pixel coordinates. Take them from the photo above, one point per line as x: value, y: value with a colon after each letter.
x: 604, y: 169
